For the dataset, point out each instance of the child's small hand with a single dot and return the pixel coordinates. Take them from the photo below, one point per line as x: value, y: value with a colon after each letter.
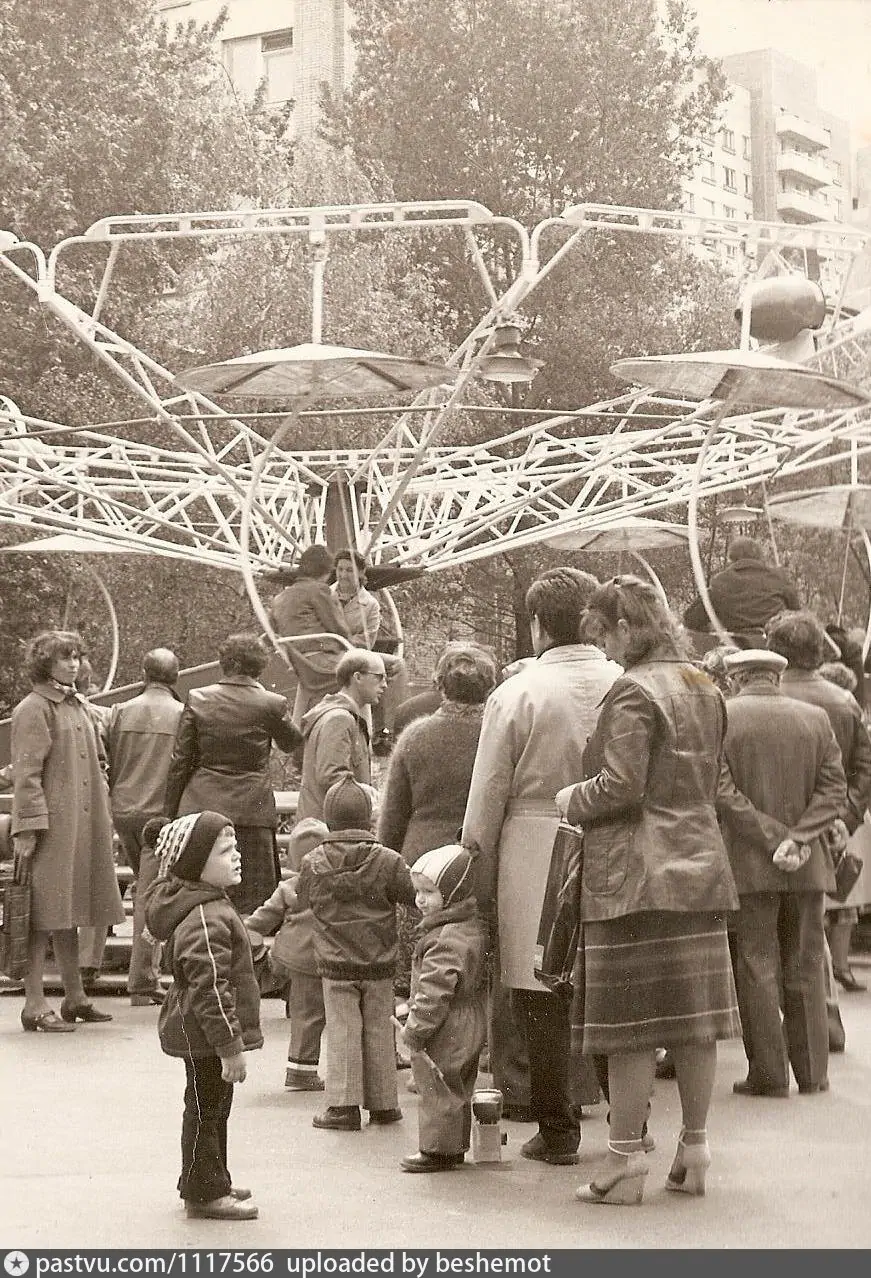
x: 233, y: 1068
x: 400, y: 1029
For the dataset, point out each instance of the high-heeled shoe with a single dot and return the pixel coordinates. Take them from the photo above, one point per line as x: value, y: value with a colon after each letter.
x: 623, y: 1188
x: 83, y: 1012
x: 687, y: 1175
x: 44, y: 1023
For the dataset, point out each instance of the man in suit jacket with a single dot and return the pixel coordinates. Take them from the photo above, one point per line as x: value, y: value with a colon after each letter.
x: 221, y: 761
x: 783, y: 786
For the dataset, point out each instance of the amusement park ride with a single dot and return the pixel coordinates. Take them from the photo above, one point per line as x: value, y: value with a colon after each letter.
x: 793, y: 397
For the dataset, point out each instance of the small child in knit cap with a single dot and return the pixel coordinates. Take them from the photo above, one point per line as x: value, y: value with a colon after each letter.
x: 447, y: 1012
x: 292, y: 958
x: 353, y: 884
x: 211, y: 1014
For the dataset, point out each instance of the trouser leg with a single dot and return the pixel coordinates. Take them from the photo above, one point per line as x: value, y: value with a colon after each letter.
x: 207, y: 1102
x: 307, y: 1020
x: 344, y: 1016
x: 142, y: 975
x: 380, y: 1088
x: 509, y: 1058
x: 759, y: 987
x: 545, y: 1017
x: 804, y: 991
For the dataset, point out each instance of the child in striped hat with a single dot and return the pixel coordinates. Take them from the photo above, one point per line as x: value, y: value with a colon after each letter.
x: 211, y: 1014
x: 447, y: 1010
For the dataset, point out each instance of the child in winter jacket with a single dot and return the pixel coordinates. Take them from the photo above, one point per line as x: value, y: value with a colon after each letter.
x: 211, y: 1014
x: 353, y: 884
x: 447, y: 1010
x: 292, y: 959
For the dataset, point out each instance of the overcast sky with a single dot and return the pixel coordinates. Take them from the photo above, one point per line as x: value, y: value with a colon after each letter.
x: 832, y: 36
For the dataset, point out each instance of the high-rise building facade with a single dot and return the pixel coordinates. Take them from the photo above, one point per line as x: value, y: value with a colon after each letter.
x: 800, y: 154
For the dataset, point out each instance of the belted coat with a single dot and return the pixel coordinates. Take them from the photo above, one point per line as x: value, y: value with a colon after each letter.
x: 532, y: 741
x: 60, y: 793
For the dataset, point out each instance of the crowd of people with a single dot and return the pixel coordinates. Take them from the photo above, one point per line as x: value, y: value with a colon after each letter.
x: 714, y: 795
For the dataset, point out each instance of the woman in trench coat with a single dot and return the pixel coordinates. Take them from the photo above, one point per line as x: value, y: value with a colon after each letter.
x: 61, y: 828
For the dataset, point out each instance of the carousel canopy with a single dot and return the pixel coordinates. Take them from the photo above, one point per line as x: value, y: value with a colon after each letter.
x: 840, y: 506
x: 750, y: 378
x: 340, y: 371
x: 631, y: 533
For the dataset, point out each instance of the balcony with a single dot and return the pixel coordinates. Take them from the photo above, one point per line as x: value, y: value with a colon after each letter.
x: 796, y: 206
x: 787, y: 125
x: 808, y: 167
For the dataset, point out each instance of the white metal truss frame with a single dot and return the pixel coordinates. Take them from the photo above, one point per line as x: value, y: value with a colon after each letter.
x: 413, y: 498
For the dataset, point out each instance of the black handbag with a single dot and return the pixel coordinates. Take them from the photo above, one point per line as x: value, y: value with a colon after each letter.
x: 15, y: 929
x: 848, y: 867
x: 560, y: 922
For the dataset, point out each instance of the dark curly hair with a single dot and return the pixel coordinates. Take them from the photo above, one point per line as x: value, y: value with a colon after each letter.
x: 243, y: 654
x: 799, y: 637
x: 45, y: 648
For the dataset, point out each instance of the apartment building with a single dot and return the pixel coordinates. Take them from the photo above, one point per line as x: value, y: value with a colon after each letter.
x: 722, y: 184
x: 290, y: 46
x: 800, y: 154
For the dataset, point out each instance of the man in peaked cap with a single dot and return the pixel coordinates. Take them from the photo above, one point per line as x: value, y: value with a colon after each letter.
x: 782, y: 786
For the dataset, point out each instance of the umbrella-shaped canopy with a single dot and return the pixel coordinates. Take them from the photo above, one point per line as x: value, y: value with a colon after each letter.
x: 70, y: 544
x: 293, y: 371
x: 750, y: 378
x: 841, y: 506
x: 631, y: 533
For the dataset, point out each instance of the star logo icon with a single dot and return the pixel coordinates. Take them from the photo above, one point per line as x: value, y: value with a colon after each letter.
x: 16, y: 1263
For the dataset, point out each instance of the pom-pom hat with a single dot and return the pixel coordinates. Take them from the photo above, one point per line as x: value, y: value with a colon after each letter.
x: 450, y: 869
x: 183, y: 846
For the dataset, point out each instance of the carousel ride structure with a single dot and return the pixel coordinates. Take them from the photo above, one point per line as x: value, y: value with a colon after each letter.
x: 791, y: 399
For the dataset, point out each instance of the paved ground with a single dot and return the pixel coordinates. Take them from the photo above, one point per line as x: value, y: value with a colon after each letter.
x: 90, y: 1127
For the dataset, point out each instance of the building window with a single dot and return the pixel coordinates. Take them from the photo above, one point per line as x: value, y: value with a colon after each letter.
x: 731, y: 250
x: 748, y: 184
x: 836, y: 172
x: 689, y: 202
x: 729, y: 180
x: 838, y: 210
x: 728, y: 140
x: 745, y: 149
x: 728, y: 211
x: 708, y: 171
x: 276, y: 48
x: 708, y: 207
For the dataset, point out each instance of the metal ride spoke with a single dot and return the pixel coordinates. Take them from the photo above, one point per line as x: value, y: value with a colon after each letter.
x: 233, y: 496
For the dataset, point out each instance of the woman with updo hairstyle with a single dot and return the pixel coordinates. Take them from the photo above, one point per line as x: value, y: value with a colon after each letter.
x: 221, y: 761
x: 656, y: 885
x: 61, y: 828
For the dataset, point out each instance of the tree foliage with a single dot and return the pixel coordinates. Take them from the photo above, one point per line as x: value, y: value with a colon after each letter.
x: 526, y: 105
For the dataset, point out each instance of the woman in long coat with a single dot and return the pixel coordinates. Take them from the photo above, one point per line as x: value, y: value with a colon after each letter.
x: 61, y: 826
x: 656, y: 885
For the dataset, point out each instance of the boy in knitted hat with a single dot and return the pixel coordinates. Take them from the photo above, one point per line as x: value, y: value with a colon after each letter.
x: 292, y: 958
x: 448, y: 1007
x: 353, y: 884
x: 211, y: 1014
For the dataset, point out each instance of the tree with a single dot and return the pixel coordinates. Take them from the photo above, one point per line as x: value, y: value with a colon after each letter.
x: 526, y: 105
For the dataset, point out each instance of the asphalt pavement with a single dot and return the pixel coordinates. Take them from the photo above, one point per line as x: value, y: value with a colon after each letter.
x: 90, y: 1134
